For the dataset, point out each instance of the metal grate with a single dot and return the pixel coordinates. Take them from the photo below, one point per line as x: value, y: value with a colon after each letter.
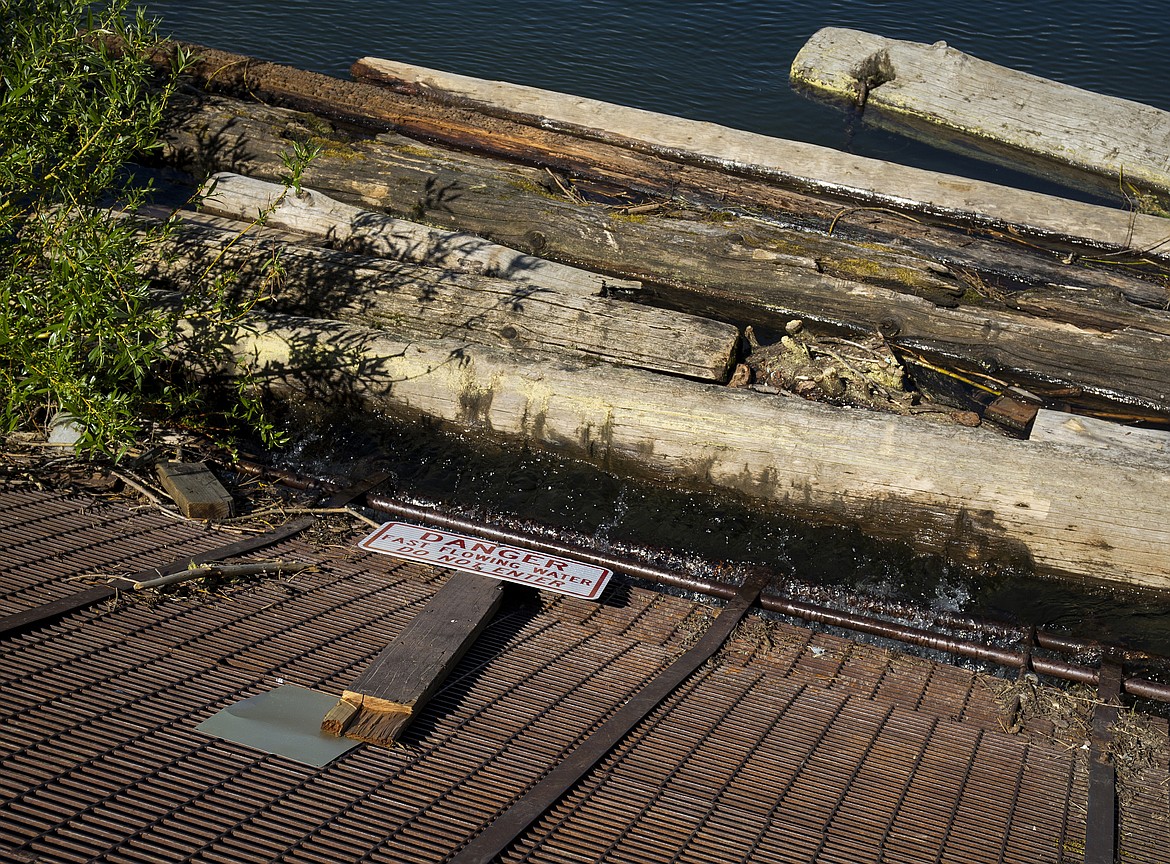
x: 788, y: 746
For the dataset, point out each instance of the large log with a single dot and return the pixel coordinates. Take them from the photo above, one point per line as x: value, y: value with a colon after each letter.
x: 962, y: 492
x: 413, y: 300
x: 752, y: 270
x: 369, y: 232
x: 792, y: 162
x: 954, y: 99
x: 659, y: 178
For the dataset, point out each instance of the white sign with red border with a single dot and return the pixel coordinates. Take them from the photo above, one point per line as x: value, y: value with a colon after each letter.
x: 500, y: 561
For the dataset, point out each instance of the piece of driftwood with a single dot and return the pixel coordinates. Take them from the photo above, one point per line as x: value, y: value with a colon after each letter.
x: 197, y: 492
x: 381, y: 702
x: 954, y: 99
x: 370, y: 232
x: 415, y: 300
x: 863, y: 240
x: 965, y: 493
x: 793, y: 162
x: 1076, y: 430
x: 224, y: 571
x: 752, y: 271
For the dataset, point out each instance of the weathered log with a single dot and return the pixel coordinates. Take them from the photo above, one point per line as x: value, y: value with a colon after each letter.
x: 648, y: 175
x: 369, y: 232
x: 797, y: 164
x: 412, y: 300
x: 956, y: 100
x: 1151, y: 446
x: 748, y: 269
x: 959, y: 491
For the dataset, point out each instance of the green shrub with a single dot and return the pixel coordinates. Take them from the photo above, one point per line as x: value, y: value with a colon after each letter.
x: 80, y: 330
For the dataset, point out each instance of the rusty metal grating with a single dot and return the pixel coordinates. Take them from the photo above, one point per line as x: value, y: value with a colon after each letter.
x: 790, y: 746
x: 45, y: 536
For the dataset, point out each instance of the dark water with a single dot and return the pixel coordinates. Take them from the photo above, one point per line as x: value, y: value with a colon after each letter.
x: 725, y: 62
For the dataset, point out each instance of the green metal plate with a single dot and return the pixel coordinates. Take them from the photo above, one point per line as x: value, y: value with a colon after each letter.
x: 285, y: 721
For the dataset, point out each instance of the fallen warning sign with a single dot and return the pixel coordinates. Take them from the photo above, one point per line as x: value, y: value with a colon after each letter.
x: 474, y: 555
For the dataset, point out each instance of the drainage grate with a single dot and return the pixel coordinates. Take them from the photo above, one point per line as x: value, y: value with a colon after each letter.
x: 787, y: 746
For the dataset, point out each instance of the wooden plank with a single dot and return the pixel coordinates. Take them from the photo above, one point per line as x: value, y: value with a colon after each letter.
x: 966, y: 493
x: 948, y: 95
x: 793, y: 162
x: 757, y: 271
x: 1077, y: 430
x: 196, y: 491
x: 1101, y: 817
x: 434, y: 303
x: 381, y: 702
x: 369, y: 232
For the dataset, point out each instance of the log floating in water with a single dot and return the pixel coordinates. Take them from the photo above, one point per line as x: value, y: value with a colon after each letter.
x: 961, y: 492
x: 425, y: 182
x: 801, y: 165
x: 949, y: 97
x: 760, y: 272
x: 411, y: 300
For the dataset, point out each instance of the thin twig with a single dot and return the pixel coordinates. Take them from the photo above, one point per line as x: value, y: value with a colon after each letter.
x: 144, y: 490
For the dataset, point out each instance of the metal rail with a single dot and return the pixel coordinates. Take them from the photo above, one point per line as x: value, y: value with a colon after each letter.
x: 770, y: 601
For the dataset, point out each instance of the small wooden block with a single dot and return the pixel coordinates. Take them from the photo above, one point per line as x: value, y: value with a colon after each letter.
x: 1011, y: 413
x: 195, y: 489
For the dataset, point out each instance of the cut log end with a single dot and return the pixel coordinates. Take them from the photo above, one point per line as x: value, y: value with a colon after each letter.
x: 374, y: 726
x: 366, y: 718
x: 338, y: 718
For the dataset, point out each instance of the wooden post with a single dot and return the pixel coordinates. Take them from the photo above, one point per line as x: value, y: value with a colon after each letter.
x: 404, y: 675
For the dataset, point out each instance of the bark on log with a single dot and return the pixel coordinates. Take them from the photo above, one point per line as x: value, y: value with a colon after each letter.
x: 748, y: 269
x: 951, y: 98
x: 804, y: 166
x: 964, y: 493
x: 411, y: 300
x: 368, y: 232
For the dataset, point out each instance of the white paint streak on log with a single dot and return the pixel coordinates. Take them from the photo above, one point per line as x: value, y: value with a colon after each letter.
x: 796, y: 162
x: 954, y: 92
x: 1073, y: 511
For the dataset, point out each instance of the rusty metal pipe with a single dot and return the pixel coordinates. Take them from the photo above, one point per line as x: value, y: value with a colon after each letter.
x: 859, y: 623
x: 794, y: 608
